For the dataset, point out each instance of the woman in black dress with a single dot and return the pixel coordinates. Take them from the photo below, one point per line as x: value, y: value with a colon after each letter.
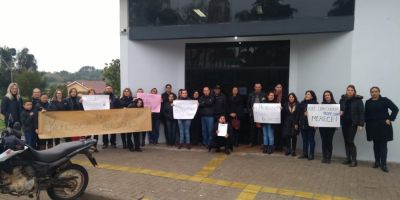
x: 290, y: 119
x: 379, y: 125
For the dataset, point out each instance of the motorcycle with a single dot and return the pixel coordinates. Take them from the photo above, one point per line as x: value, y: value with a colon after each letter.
x: 25, y: 171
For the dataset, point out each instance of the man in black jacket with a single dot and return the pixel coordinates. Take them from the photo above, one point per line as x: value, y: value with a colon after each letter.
x: 113, y: 105
x: 42, y: 106
x: 255, y: 97
x: 220, y: 105
x: 206, y: 111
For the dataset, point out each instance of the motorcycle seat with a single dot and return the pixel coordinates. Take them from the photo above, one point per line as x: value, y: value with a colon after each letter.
x: 57, y: 152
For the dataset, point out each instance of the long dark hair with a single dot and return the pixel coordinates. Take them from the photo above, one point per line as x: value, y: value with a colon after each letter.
x: 137, y: 101
x: 314, y: 96
x: 294, y: 96
x: 267, y: 94
x: 332, y: 98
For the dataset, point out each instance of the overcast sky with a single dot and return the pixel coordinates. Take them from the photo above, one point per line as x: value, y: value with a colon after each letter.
x: 62, y: 34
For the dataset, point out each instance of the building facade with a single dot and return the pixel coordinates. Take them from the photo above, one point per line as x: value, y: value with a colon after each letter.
x: 305, y: 45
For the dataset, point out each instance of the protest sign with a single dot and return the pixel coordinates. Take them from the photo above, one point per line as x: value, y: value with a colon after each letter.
x: 185, y: 109
x: 96, y: 102
x: 152, y: 101
x: 267, y: 113
x: 59, y: 124
x: 323, y: 115
x: 222, y: 130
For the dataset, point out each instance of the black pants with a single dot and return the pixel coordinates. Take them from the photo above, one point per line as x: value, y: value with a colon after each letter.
x: 327, y: 138
x: 278, y: 140
x: 291, y: 143
x: 195, y: 131
x: 380, y: 152
x: 349, y: 133
x: 218, y: 142
x: 112, y: 140
x: 136, y: 140
x: 123, y: 139
x: 255, y: 133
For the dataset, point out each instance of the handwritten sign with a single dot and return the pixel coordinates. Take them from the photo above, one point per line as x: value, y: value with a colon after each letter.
x: 185, y: 109
x: 96, y: 102
x: 222, y: 130
x: 323, y: 115
x: 269, y: 113
x: 60, y: 124
x: 152, y: 101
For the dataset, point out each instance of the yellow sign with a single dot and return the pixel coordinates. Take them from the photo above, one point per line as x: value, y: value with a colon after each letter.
x: 59, y: 124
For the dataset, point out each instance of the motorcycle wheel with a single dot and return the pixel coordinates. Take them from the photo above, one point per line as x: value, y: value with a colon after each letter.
x: 78, y: 185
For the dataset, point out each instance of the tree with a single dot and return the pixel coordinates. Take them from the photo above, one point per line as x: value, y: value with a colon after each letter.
x: 111, y: 74
x: 26, y: 61
x: 28, y: 80
x: 7, y: 63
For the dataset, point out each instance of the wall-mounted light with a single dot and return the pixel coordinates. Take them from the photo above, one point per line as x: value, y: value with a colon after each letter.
x: 199, y: 13
x: 236, y: 37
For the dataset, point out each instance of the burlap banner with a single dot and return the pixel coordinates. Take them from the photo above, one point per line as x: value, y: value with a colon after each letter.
x: 96, y: 122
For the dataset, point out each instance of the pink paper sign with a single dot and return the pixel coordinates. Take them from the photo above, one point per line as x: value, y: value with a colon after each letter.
x: 152, y: 101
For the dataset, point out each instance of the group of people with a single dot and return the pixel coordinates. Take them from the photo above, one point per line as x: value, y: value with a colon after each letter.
x: 215, y: 108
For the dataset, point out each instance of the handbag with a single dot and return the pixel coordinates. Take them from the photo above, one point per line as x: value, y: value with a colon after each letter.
x: 236, y: 123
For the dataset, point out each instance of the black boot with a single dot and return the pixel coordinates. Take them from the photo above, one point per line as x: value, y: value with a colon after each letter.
x: 376, y: 164
x: 353, y: 156
x: 348, y: 159
x: 384, y: 168
x: 265, y: 149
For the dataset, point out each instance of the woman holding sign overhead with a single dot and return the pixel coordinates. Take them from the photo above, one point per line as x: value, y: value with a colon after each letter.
x: 184, y: 125
x: 268, y: 131
x: 327, y: 133
x: 307, y: 132
x: 352, y: 118
x: 379, y: 125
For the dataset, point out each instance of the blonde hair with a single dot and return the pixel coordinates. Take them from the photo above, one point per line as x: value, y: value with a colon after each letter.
x: 9, y: 94
x: 55, y: 94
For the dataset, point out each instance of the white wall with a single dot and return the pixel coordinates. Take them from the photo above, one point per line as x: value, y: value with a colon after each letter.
x: 318, y: 62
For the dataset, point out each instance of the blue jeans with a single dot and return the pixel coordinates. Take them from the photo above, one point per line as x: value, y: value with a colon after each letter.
x: 184, y: 126
x: 207, y: 124
x: 308, y: 141
x: 155, y: 133
x: 268, y: 133
x: 30, y: 138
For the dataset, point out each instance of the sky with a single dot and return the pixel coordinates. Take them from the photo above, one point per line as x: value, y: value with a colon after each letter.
x: 62, y: 34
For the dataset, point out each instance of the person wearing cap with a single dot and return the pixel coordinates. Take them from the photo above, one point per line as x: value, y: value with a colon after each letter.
x: 220, y: 104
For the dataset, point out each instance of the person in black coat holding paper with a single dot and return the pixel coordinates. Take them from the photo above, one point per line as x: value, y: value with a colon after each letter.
x: 352, y: 118
x: 290, y: 125
x: 221, y: 141
x: 379, y: 125
x: 307, y: 132
x: 125, y: 100
x: 327, y: 133
x: 171, y: 123
x: 137, y: 103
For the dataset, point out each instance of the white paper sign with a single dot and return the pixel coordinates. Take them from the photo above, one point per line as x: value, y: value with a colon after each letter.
x: 185, y: 109
x: 222, y: 130
x: 96, y: 102
x: 323, y: 115
x: 269, y: 113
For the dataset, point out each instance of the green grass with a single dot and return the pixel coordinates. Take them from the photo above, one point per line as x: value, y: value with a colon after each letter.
x: 1, y: 123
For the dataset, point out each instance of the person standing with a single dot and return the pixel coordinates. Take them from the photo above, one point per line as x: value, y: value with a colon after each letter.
x: 280, y: 97
x: 236, y: 112
x: 137, y: 103
x: 290, y: 119
x: 11, y: 105
x: 57, y: 104
x: 125, y: 100
x: 184, y: 125
x: 42, y: 106
x: 327, y: 133
x: 36, y: 93
x: 352, y: 119
x: 171, y: 124
x: 255, y: 97
x: 113, y: 105
x: 164, y: 96
x: 307, y: 132
x: 155, y: 121
x: 92, y: 91
x: 28, y: 124
x: 220, y: 105
x: 268, y: 129
x: 195, y: 126
x: 378, y: 124
x: 206, y: 110
x: 73, y: 103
